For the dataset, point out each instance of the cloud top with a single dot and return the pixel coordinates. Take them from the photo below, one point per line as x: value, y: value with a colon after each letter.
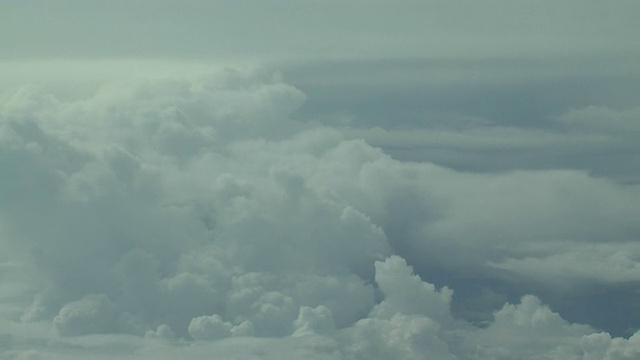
x: 193, y: 215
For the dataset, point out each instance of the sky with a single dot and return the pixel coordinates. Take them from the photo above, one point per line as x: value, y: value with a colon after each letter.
x: 324, y: 179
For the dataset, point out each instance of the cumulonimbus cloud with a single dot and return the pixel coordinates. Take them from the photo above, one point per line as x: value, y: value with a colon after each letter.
x: 191, y: 215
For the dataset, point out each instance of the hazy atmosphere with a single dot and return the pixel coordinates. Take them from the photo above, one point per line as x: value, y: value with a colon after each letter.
x: 335, y: 180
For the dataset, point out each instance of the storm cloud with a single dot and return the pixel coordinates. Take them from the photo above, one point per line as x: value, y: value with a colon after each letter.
x: 298, y: 197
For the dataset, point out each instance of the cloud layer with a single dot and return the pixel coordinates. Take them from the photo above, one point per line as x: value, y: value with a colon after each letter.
x: 189, y: 215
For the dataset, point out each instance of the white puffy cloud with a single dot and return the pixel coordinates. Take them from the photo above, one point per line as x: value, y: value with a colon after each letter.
x: 209, y: 328
x: 194, y: 208
x: 602, y: 346
x: 407, y: 294
x: 162, y: 332
x: 525, y: 330
x: 91, y: 314
x: 531, y: 330
x: 348, y: 298
x: 401, y: 337
x: 317, y: 320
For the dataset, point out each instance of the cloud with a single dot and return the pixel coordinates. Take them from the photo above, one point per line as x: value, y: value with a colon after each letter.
x: 406, y: 337
x: 93, y: 314
x: 209, y: 328
x: 405, y: 293
x: 192, y: 215
x: 595, y: 262
x: 603, y: 120
x: 487, y: 115
x: 594, y: 139
x: 317, y: 320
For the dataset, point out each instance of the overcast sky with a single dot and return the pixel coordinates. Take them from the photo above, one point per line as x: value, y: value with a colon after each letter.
x: 319, y: 179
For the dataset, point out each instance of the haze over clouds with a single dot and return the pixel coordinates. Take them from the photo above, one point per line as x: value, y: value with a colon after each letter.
x: 321, y: 180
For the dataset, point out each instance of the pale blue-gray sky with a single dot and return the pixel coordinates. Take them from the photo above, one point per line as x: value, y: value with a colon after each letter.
x: 316, y: 29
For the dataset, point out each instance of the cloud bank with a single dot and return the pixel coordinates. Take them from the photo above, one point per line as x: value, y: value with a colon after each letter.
x: 191, y: 216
